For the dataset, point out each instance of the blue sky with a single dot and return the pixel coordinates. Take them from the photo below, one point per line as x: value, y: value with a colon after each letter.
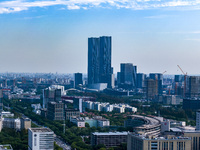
x: 51, y: 35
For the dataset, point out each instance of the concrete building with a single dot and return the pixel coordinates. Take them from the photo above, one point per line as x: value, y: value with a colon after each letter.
x: 172, y: 99
x: 71, y: 113
x: 144, y: 125
x: 109, y: 139
x: 99, y: 60
x: 151, y: 89
x: 25, y: 123
x: 12, y: 123
x: 80, y: 122
x: 158, y: 77
x: 103, y: 123
x: 142, y: 142
x: 40, y: 139
x: 55, y: 111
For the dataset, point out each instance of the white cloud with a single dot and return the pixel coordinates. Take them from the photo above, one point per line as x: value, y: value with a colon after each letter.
x: 20, y: 5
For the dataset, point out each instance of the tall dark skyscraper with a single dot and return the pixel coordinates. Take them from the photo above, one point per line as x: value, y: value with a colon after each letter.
x: 78, y: 79
x: 128, y: 75
x: 99, y: 60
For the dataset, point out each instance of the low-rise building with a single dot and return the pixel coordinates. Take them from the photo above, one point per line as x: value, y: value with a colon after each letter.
x: 109, y: 139
x: 71, y: 113
x: 12, y: 123
x: 143, y: 142
x: 80, y: 122
x: 25, y: 123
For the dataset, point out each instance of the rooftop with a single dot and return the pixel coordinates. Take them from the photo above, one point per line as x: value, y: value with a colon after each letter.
x: 110, y: 133
x: 40, y: 130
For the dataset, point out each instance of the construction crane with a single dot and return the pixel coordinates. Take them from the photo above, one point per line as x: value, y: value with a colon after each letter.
x: 185, y: 75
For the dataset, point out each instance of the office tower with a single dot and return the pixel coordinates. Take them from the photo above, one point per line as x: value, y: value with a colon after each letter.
x: 158, y: 77
x: 78, y: 103
x: 40, y: 139
x: 55, y: 111
x: 198, y: 120
x: 128, y: 74
x: 194, y: 86
x: 78, y: 79
x: 1, y: 100
x: 52, y: 93
x: 99, y: 60
x: 141, y: 77
x: 151, y: 89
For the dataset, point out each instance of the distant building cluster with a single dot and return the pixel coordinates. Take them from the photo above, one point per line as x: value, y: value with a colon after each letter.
x: 97, y: 121
x: 107, y: 107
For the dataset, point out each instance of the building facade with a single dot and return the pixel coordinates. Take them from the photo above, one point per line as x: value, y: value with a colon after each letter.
x: 55, y: 111
x: 128, y: 76
x: 99, y: 60
x: 71, y: 113
x: 78, y: 79
x: 109, y: 139
x: 140, y: 142
x: 40, y: 139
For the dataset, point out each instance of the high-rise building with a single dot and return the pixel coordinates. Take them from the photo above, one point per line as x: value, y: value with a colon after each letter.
x: 78, y: 79
x: 151, y: 89
x: 55, y: 111
x: 158, y: 77
x: 194, y: 86
x: 52, y: 94
x: 40, y: 139
x: 141, y: 77
x: 78, y: 104
x: 99, y: 60
x: 128, y: 75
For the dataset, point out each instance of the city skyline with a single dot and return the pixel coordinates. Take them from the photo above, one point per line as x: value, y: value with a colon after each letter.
x: 51, y: 36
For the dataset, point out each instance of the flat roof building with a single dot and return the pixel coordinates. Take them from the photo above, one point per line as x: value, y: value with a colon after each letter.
x: 40, y: 139
x: 109, y: 139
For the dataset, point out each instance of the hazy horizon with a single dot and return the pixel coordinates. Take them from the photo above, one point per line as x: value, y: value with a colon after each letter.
x: 51, y: 35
